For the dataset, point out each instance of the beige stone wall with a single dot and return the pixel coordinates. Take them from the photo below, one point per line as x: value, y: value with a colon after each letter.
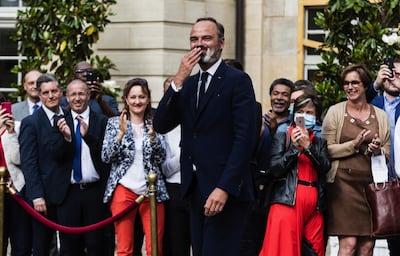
x: 271, y: 43
x: 147, y: 39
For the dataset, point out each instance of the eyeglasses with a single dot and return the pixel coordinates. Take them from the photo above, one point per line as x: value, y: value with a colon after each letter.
x: 80, y: 71
x: 353, y: 83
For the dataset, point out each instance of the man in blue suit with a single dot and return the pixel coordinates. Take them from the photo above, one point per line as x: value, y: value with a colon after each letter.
x: 217, y: 121
x: 46, y: 155
x: 83, y: 204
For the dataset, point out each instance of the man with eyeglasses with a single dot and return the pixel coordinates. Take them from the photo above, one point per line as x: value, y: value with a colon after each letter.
x: 99, y: 103
x: 390, y: 102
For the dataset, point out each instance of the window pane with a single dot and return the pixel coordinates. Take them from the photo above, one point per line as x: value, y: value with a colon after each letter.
x: 8, y: 3
x: 6, y: 77
x: 8, y: 46
x: 311, y: 51
x: 312, y: 13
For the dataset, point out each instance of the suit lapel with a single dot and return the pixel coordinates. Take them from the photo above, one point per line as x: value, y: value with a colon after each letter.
x: 193, y: 94
x: 215, y: 83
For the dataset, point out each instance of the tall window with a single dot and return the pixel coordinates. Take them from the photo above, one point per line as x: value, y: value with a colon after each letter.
x: 310, y: 38
x: 8, y: 50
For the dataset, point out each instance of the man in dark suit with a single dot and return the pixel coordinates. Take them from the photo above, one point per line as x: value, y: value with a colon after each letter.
x: 46, y: 155
x: 32, y: 102
x: 83, y: 204
x: 217, y: 140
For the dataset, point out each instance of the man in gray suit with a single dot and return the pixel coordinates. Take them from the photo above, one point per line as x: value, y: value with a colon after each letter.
x: 28, y: 106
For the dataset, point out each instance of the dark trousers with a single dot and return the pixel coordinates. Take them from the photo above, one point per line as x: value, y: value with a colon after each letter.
x: 82, y: 207
x: 139, y: 237
x: 394, y: 246
x: 254, y: 232
x: 220, y: 234
x: 177, y: 223
x: 109, y: 235
x: 43, y: 235
x: 17, y: 227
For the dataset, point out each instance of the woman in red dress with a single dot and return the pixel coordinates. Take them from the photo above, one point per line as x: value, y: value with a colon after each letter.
x: 299, y: 164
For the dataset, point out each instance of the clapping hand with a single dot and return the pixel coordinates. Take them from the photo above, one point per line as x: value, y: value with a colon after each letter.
x: 270, y: 120
x: 374, y: 146
x: 64, y: 129
x: 360, y: 138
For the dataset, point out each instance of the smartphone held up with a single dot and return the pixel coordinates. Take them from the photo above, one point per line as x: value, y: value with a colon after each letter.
x: 389, y: 62
x: 7, y: 106
x: 300, y: 122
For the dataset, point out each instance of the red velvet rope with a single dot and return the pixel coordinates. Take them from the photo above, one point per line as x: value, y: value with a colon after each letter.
x: 71, y: 230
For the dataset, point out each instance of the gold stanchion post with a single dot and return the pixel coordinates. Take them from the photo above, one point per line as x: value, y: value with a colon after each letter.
x: 3, y: 182
x: 152, y: 177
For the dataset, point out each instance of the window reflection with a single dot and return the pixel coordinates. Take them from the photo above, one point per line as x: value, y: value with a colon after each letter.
x: 8, y: 46
x: 8, y: 3
x: 6, y: 77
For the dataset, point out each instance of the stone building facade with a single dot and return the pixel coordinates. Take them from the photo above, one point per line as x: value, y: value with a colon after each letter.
x: 148, y: 38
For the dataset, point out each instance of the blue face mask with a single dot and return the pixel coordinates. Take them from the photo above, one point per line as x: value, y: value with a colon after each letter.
x: 309, y: 120
x: 291, y: 108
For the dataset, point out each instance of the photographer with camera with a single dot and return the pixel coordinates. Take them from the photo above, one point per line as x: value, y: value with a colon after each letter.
x: 100, y: 103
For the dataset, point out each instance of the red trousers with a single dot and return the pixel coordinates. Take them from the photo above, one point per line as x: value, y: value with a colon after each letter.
x: 124, y: 228
x: 287, y: 225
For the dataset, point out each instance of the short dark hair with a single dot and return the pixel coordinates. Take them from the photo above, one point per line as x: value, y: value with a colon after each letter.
x: 363, y: 72
x: 45, y: 78
x: 307, y: 98
x: 220, y: 27
x: 303, y: 83
x: 283, y: 81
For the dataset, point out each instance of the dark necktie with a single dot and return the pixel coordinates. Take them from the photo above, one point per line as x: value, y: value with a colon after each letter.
x: 35, y: 107
x: 55, y: 120
x: 77, y: 165
x: 202, y: 90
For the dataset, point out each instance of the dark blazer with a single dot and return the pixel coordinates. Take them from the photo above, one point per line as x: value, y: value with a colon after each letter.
x: 46, y: 158
x: 218, y: 138
x: 379, y: 101
x: 94, y: 140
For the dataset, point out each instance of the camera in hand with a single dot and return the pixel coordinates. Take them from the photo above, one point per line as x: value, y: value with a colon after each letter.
x: 91, y: 75
x: 389, y: 62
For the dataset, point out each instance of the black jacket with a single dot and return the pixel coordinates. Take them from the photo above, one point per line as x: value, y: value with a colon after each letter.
x: 284, y: 168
